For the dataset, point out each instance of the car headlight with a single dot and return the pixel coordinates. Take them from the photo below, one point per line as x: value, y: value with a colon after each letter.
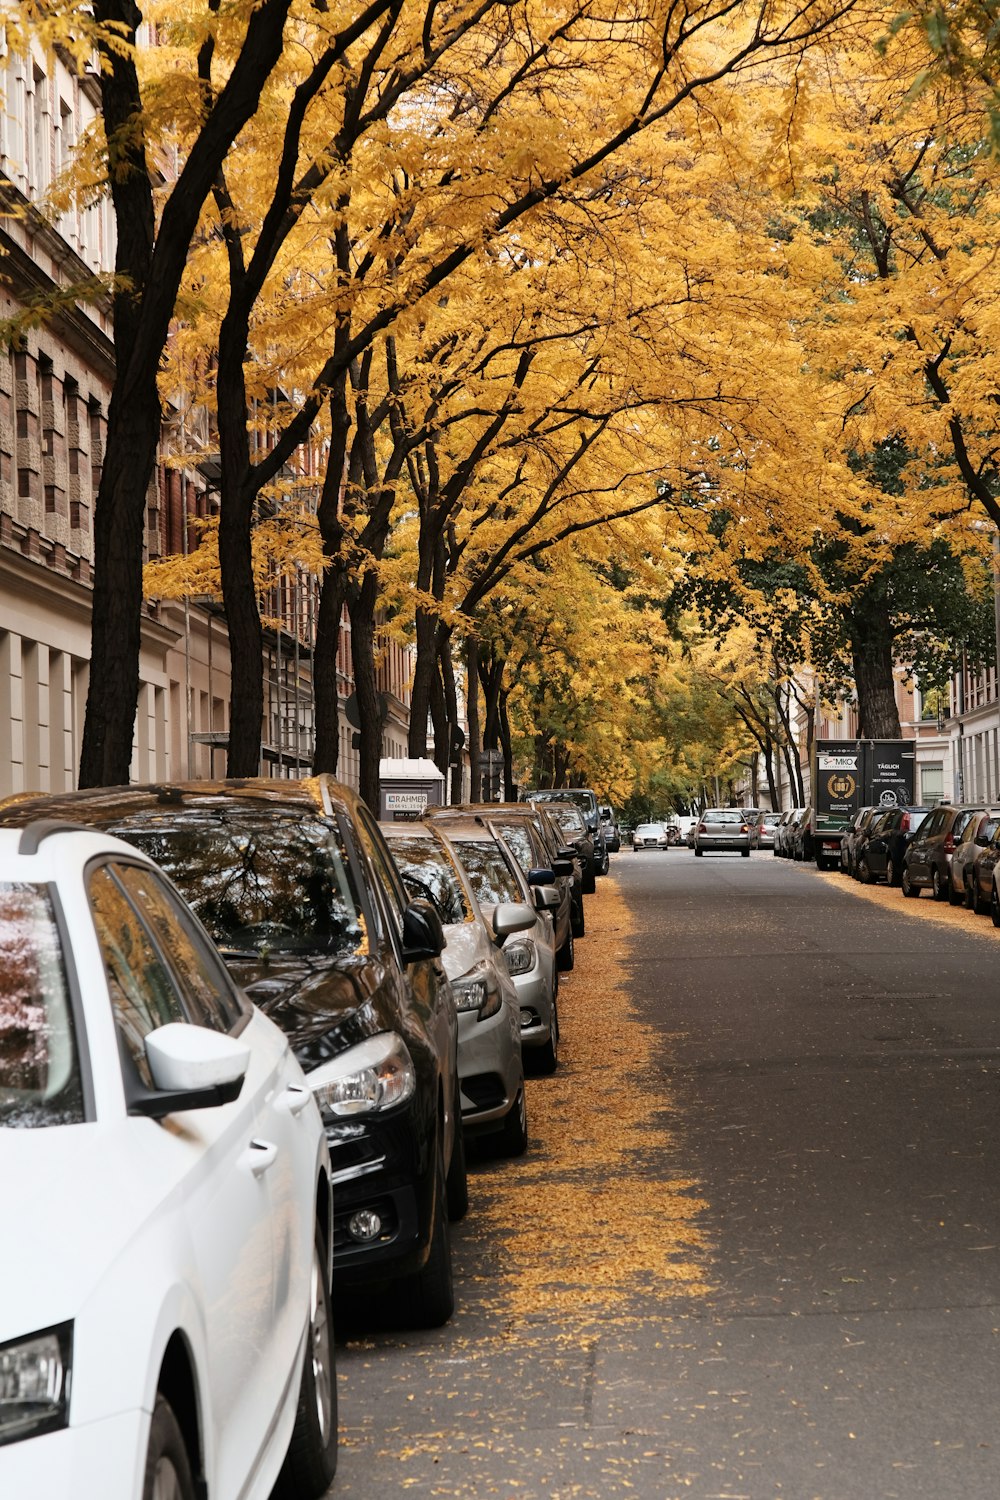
x: 520, y: 955
x: 376, y: 1074
x: 478, y: 990
x: 34, y: 1383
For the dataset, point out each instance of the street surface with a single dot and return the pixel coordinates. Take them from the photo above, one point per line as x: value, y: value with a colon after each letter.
x: 754, y: 1248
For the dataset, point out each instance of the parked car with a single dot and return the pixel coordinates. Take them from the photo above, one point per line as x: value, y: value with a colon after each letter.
x: 609, y: 826
x: 586, y: 801
x: 650, y: 836
x: 852, y: 834
x: 167, y: 1211
x: 882, y: 846
x: 763, y: 837
x: 574, y: 833
x: 479, y: 959
x: 496, y: 878
x: 295, y: 884
x: 980, y: 878
x: 799, y: 838
x: 782, y: 831
x: 722, y: 828
x: 976, y: 837
x: 535, y: 839
x: 927, y: 862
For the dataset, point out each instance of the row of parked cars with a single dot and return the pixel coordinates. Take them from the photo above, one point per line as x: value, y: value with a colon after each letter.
x: 951, y: 850
x: 246, y: 1036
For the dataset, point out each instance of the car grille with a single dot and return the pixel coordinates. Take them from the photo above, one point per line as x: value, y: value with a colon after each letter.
x: 486, y: 1090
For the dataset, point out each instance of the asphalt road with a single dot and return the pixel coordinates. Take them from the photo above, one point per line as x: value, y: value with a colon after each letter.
x: 754, y: 1248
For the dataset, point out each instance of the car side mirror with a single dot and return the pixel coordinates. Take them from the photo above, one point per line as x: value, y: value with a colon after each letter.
x: 192, y: 1068
x: 512, y: 916
x: 547, y: 897
x: 566, y: 853
x: 541, y: 875
x: 562, y: 869
x: 423, y: 935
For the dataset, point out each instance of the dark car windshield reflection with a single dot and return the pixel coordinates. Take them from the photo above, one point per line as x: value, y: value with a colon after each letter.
x: 427, y: 872
x: 280, y: 885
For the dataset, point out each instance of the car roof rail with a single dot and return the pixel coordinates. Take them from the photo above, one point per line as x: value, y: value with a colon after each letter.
x: 42, y: 828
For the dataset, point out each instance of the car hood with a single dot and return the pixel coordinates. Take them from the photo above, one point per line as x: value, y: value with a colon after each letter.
x: 466, y: 944
x: 67, y: 1216
x: 323, y: 1005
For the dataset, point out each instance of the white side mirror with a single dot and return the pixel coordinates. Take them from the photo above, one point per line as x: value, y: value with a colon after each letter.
x: 188, y: 1058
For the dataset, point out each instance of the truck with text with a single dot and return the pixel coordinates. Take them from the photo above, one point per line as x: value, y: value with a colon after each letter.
x: 848, y: 775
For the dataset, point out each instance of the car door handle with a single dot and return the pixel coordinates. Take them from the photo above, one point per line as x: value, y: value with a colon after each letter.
x: 295, y: 1098
x: 260, y: 1155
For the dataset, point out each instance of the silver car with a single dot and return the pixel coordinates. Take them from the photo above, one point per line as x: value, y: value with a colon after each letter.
x: 650, y: 836
x: 497, y: 880
x: 723, y: 828
x: 490, y: 1066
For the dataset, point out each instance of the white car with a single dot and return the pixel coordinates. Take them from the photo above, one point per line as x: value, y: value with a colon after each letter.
x: 165, y: 1325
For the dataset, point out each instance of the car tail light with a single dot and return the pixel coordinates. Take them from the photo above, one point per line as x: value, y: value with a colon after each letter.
x: 702, y: 827
x: 904, y: 826
x: 744, y: 828
x: 949, y: 843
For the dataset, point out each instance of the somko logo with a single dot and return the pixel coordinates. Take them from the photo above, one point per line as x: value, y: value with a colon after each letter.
x: 842, y: 787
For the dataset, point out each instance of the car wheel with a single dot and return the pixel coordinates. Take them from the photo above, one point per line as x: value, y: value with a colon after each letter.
x: 546, y: 1059
x: 458, y: 1181
x: 971, y: 890
x: 745, y: 853
x: 906, y: 884
x: 995, y: 905
x: 513, y: 1138
x: 427, y: 1298
x: 698, y: 852
x: 937, y: 885
x: 311, y: 1460
x: 578, y: 921
x: 605, y: 865
x: 168, y: 1464
x: 566, y: 955
x: 864, y: 873
x: 589, y: 878
x: 956, y: 893
x: 891, y: 877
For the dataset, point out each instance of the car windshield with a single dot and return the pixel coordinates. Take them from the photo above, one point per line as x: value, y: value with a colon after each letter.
x: 724, y: 815
x: 40, y: 1080
x: 267, y: 883
x: 428, y: 872
x: 650, y: 828
x: 488, y: 872
x: 585, y: 801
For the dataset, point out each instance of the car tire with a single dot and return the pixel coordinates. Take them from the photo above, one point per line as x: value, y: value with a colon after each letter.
x: 311, y: 1461
x: 864, y: 872
x: 906, y: 884
x: 995, y: 904
x: 546, y: 1059
x: 578, y: 920
x: 956, y: 894
x: 971, y: 888
x: 605, y: 865
x: 938, y: 890
x: 745, y: 853
x: 891, y: 878
x: 512, y: 1140
x: 698, y: 852
x: 427, y: 1298
x: 168, y: 1463
x: 457, y: 1185
x: 976, y: 903
x: 566, y: 955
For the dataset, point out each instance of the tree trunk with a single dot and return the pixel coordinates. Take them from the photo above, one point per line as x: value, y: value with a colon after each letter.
x: 326, y: 688
x: 475, y: 743
x: 439, y: 720
x: 872, y: 654
x: 361, y: 607
x: 421, y: 691
x: 447, y: 668
x: 246, y: 636
x: 510, y: 789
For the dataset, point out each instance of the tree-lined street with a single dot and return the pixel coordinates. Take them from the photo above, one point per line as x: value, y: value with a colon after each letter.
x: 768, y: 1258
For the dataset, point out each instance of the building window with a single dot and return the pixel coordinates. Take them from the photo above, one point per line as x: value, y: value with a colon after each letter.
x: 932, y: 783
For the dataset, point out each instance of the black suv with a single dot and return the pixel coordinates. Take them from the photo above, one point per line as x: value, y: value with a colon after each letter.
x: 927, y: 861
x: 295, y: 884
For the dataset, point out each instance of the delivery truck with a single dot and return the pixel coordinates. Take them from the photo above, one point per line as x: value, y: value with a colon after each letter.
x: 848, y: 774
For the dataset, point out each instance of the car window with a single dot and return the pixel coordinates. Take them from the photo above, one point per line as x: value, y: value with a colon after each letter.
x: 488, y: 871
x: 259, y: 882
x: 40, y: 1081
x: 142, y: 991
x: 392, y: 889
x: 212, y: 1000
x: 429, y: 873
x: 962, y: 821
x: 518, y: 841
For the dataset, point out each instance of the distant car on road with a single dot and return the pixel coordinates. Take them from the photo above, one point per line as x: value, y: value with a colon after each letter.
x: 609, y: 824
x: 722, y: 829
x: 650, y: 836
x: 167, y: 1214
x: 763, y: 837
